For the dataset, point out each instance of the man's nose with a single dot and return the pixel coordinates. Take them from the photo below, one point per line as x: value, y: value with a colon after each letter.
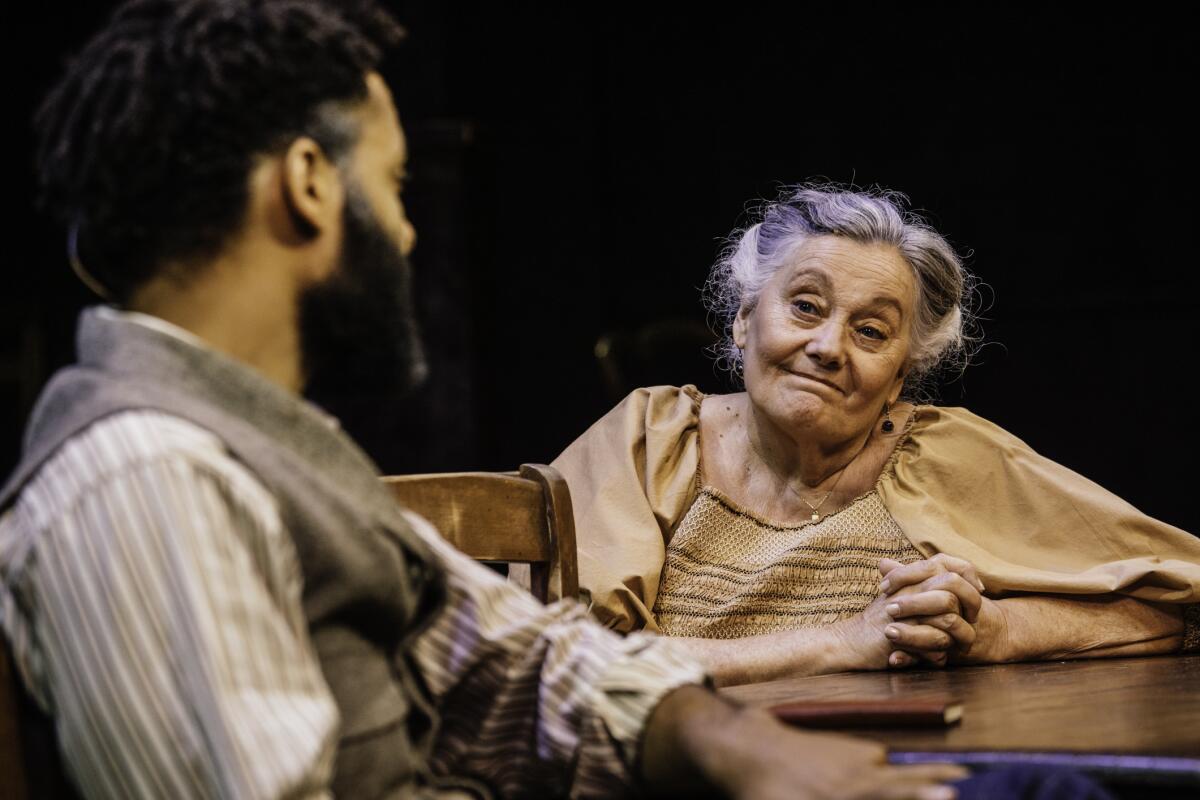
x: 408, y: 237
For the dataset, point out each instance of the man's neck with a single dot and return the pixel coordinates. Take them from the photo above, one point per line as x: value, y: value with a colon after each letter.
x: 248, y: 317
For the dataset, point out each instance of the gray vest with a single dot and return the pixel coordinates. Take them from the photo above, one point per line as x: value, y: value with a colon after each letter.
x: 370, y: 584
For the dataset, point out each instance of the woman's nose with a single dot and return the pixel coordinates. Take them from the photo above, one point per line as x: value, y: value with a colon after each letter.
x: 827, y: 345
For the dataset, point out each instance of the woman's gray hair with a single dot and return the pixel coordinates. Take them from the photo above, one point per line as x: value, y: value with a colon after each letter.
x: 942, y: 329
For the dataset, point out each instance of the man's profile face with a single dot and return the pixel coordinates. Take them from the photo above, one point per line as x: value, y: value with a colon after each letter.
x: 380, y: 161
x: 358, y: 331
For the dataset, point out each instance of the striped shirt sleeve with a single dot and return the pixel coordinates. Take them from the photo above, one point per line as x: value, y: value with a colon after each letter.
x: 539, y: 700
x: 163, y: 600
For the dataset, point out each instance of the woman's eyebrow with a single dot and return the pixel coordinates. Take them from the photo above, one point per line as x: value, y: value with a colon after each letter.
x: 885, y: 301
x: 809, y: 275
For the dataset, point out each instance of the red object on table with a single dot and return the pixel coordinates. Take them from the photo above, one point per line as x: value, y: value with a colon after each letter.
x: 869, y: 713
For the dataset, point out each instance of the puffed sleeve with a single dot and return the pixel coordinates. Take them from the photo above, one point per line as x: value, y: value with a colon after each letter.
x: 963, y: 486
x: 632, y: 476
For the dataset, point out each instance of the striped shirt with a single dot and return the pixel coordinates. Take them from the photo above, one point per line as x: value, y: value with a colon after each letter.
x: 151, y: 596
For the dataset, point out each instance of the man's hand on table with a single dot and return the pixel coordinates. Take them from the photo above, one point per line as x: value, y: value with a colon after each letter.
x: 695, y: 741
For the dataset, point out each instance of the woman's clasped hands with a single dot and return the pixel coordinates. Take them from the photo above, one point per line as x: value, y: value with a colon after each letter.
x: 930, y: 612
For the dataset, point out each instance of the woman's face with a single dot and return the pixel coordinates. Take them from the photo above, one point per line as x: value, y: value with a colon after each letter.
x: 827, y: 343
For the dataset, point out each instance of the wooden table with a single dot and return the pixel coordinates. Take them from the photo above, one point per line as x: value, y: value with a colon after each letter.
x: 1129, y: 719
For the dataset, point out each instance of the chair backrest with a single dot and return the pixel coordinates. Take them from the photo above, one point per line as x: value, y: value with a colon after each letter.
x: 520, y: 517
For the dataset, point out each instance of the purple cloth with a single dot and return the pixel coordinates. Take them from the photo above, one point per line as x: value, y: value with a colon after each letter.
x: 1031, y: 783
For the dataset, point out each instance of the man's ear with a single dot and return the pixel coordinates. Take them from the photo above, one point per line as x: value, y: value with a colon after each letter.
x: 311, y: 187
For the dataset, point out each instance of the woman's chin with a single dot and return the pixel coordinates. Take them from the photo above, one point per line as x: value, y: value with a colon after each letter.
x: 811, y: 411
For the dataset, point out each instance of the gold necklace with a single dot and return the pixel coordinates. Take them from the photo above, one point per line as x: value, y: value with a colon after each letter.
x: 814, y: 509
x: 815, y: 516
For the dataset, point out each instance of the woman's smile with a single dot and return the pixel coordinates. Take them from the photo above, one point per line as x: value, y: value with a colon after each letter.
x: 809, y: 378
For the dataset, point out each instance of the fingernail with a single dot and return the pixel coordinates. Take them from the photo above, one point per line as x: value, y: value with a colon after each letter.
x: 884, y: 585
x: 893, y: 609
x: 891, y: 632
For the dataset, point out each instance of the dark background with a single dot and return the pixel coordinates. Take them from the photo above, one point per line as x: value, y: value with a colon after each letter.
x: 575, y: 171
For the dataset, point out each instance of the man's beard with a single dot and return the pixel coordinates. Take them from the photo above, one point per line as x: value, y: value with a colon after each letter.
x: 358, y: 330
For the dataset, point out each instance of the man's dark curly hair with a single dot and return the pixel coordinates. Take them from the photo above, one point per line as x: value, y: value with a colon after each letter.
x: 145, y: 146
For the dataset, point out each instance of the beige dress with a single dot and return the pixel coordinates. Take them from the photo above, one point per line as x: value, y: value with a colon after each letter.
x: 730, y: 574
x: 659, y: 550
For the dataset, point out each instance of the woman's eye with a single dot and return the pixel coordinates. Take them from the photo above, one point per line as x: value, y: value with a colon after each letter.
x: 804, y: 307
x: 872, y: 332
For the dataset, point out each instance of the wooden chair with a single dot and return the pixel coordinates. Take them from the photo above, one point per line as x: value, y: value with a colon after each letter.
x: 520, y: 517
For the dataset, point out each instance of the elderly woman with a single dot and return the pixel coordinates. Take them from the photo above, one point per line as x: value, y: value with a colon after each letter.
x: 819, y: 521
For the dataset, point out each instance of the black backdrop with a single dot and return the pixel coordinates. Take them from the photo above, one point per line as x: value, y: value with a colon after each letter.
x: 575, y: 171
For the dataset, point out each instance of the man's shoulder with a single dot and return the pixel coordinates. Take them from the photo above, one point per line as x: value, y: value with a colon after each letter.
x: 127, y: 438
x: 118, y: 446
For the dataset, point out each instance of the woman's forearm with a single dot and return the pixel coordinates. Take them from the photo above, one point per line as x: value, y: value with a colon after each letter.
x: 810, y: 651
x: 1045, y: 627
x: 859, y: 642
x: 1012, y: 629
